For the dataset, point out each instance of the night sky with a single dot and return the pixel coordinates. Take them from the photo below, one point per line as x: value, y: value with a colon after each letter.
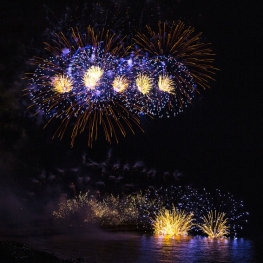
x: 215, y: 143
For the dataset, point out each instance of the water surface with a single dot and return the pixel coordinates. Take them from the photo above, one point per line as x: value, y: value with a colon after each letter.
x: 108, y: 247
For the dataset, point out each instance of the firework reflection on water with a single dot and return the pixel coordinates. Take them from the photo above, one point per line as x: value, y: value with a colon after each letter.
x: 105, y: 247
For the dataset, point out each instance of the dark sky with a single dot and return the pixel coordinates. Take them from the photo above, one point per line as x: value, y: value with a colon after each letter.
x: 217, y: 142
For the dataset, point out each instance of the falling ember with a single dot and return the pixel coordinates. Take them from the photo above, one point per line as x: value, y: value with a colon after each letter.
x: 92, y: 76
x: 215, y: 225
x: 143, y: 83
x: 62, y: 84
x: 120, y: 84
x: 166, y: 84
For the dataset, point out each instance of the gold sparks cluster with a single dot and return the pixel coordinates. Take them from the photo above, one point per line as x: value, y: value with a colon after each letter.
x: 143, y: 211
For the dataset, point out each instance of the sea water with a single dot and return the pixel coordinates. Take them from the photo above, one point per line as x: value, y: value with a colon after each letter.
x: 105, y: 247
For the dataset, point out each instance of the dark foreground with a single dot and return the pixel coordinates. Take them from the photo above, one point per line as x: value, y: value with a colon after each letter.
x: 43, y: 242
x: 14, y: 252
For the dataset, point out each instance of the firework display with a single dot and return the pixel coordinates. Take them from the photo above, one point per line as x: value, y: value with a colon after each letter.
x: 172, y: 223
x: 220, y: 214
x: 94, y: 78
x: 110, y: 192
x: 185, y: 213
x: 215, y: 225
x: 81, y: 83
x: 175, y: 42
x: 111, y: 210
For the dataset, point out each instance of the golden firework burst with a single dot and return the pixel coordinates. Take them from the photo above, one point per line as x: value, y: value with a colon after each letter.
x: 143, y: 83
x: 120, y: 83
x: 92, y: 77
x: 215, y: 225
x: 172, y: 223
x: 62, y: 84
x: 166, y: 84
